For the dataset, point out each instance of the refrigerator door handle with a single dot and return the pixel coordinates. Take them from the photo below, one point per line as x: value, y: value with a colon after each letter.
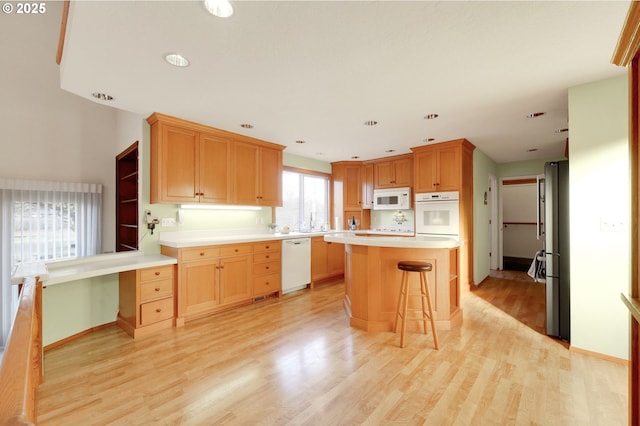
x: 539, y: 223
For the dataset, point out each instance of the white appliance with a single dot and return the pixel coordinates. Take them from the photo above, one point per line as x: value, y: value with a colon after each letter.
x: 392, y: 199
x: 296, y: 264
x: 438, y: 213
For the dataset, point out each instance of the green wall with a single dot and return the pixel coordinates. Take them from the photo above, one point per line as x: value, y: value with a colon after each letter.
x: 483, y: 167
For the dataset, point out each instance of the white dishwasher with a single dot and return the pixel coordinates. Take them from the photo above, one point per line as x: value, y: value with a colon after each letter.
x: 296, y: 264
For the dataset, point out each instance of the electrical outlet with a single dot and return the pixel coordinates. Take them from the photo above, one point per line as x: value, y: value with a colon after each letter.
x: 168, y: 221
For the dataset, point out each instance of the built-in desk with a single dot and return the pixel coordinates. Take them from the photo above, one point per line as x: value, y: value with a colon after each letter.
x: 82, y: 294
x: 372, y: 279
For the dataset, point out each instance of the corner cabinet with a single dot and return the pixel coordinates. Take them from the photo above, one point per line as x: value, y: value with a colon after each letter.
x: 194, y: 163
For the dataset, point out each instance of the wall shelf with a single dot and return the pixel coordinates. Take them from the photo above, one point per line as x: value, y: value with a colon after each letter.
x: 127, y: 199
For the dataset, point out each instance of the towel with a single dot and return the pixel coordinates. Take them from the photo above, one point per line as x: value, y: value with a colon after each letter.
x: 536, y: 270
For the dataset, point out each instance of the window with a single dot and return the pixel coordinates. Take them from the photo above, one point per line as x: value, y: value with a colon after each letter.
x: 305, y: 201
x: 40, y: 222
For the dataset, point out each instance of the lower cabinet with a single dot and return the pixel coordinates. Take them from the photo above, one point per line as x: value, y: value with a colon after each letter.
x: 327, y: 260
x: 146, y: 300
x: 217, y: 278
x: 267, y: 278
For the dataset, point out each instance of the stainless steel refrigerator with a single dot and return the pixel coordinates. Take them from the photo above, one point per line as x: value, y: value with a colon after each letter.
x: 556, y: 248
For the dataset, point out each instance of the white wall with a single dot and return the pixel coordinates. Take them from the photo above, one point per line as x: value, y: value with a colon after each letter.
x: 599, y: 190
x: 520, y: 204
x: 48, y: 133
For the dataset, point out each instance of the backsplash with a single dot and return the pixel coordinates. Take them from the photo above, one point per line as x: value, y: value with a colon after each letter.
x: 392, y: 219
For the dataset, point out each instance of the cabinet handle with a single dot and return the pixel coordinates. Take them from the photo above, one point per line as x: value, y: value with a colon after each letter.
x: 267, y: 247
x: 158, y: 310
x: 201, y: 253
x: 157, y: 289
x: 266, y: 267
x: 157, y: 273
x: 266, y: 257
x: 236, y: 250
x: 267, y: 283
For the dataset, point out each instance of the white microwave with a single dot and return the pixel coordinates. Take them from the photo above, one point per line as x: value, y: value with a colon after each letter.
x: 392, y: 199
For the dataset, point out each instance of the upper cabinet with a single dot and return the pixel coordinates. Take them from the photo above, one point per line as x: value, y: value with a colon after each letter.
x: 393, y: 172
x: 438, y: 167
x: 257, y: 175
x: 193, y: 163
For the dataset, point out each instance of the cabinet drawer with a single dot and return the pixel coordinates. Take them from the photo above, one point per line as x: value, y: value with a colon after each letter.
x: 269, y: 256
x: 156, y: 289
x: 266, y: 284
x: 267, y: 246
x: 159, y: 310
x: 198, y: 253
x: 266, y: 268
x: 159, y: 273
x: 235, y: 250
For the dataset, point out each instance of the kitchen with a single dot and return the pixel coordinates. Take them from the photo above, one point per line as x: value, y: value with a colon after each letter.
x: 104, y: 125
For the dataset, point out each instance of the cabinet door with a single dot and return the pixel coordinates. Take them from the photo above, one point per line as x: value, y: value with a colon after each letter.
x: 178, y: 171
x: 319, y: 264
x: 270, y: 177
x: 236, y: 279
x: 335, y: 258
x: 402, y: 172
x: 352, y: 188
x: 246, y: 169
x: 449, y: 169
x: 426, y: 171
x: 367, y: 186
x: 214, y: 162
x: 201, y: 287
x: 384, y: 174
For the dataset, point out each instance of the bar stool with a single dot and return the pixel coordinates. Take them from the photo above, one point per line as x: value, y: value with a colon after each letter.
x: 407, y: 266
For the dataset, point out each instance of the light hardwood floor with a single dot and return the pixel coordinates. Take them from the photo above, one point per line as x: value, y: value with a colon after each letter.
x: 297, y: 361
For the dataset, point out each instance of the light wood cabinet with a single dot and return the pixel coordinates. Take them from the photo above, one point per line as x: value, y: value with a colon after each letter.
x: 220, y: 277
x: 348, y: 189
x: 146, y: 300
x: 327, y: 260
x: 393, y: 173
x: 367, y: 185
x: 193, y: 163
x: 267, y: 273
x: 257, y: 175
x: 448, y: 166
x: 437, y: 168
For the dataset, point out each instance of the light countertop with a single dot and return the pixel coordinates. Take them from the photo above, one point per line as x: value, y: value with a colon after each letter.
x: 91, y: 266
x: 181, y: 239
x: 357, y: 238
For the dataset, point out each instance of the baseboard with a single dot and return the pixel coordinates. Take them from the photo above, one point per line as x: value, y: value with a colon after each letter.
x: 598, y: 355
x: 77, y: 335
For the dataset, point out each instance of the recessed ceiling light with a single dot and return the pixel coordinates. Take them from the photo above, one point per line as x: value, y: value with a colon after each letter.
x: 428, y: 139
x: 300, y: 142
x: 535, y: 114
x: 390, y: 150
x: 246, y: 126
x: 532, y: 149
x: 319, y: 153
x: 370, y: 123
x: 102, y: 96
x: 431, y: 116
x: 219, y: 8
x: 177, y: 60
x: 355, y: 157
x: 561, y: 130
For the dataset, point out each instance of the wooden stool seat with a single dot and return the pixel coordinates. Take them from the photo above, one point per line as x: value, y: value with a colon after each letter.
x: 422, y: 268
x: 414, y: 266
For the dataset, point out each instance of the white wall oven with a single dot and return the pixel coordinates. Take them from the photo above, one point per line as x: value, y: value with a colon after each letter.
x: 438, y: 213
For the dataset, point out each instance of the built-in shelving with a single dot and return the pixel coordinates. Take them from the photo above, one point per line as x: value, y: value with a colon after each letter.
x: 127, y: 199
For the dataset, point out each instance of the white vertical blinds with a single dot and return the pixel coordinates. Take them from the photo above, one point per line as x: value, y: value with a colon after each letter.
x: 42, y: 221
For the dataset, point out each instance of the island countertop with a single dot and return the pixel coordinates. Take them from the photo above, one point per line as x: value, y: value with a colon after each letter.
x: 372, y: 240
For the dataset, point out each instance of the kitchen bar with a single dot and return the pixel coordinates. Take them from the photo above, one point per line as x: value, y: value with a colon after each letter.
x: 372, y: 280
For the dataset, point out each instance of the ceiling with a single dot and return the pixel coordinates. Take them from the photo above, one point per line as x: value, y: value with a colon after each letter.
x: 317, y: 71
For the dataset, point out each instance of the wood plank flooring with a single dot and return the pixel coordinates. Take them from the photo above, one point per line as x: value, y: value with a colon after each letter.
x: 297, y: 361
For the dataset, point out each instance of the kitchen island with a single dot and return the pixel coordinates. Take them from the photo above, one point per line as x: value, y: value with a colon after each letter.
x: 372, y: 279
